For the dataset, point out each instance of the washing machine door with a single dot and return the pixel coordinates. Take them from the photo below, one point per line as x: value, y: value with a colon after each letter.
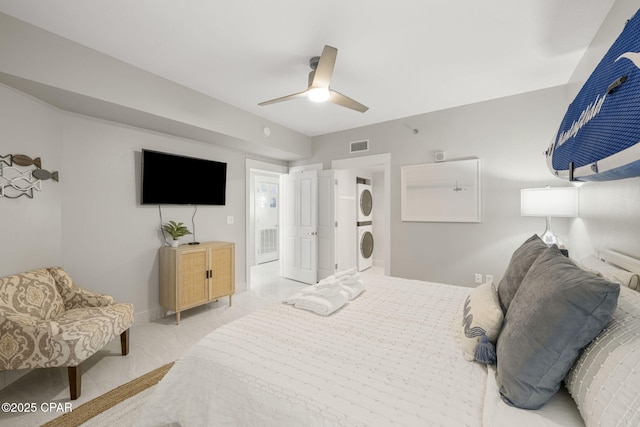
x: 366, y: 202
x: 366, y: 244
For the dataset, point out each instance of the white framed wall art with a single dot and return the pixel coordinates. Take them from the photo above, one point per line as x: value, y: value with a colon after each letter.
x: 441, y: 192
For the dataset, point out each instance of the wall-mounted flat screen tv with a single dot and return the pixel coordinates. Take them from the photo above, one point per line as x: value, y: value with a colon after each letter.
x: 170, y: 179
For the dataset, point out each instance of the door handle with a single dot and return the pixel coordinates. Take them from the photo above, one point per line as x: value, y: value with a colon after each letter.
x: 313, y: 233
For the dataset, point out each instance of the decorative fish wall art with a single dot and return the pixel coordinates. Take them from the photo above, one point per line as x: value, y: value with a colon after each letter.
x: 16, y: 181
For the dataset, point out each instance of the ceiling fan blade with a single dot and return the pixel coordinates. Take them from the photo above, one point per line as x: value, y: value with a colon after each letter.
x: 324, y: 70
x: 284, y: 98
x: 345, y: 101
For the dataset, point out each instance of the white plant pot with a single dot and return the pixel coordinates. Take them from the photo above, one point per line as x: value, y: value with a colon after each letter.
x: 175, y: 243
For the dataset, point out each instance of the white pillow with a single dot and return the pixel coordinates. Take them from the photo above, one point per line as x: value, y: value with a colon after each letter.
x: 605, y: 379
x: 481, y: 315
x: 610, y: 272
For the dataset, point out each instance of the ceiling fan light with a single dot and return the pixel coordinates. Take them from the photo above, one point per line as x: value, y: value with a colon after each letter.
x: 318, y: 94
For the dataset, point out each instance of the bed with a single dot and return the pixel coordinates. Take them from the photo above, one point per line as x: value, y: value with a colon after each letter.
x: 392, y: 356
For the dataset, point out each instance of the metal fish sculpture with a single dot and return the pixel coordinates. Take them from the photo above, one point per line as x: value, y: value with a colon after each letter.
x: 45, y: 174
x: 6, y: 160
x: 22, y: 160
x: 23, y: 181
x: 26, y: 193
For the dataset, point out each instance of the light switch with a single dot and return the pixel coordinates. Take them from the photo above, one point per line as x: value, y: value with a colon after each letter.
x: 230, y: 219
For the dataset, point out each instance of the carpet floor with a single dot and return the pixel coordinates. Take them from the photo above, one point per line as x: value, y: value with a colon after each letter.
x: 119, y: 406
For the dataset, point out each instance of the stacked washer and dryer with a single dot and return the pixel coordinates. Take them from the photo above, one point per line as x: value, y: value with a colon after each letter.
x: 365, y: 224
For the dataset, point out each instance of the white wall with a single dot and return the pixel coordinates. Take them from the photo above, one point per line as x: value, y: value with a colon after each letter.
x: 31, y: 228
x: 378, y: 213
x: 110, y: 242
x: 509, y: 135
x: 91, y: 222
x: 609, y: 216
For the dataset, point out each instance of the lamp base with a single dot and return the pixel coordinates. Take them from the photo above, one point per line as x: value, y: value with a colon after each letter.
x: 548, y: 237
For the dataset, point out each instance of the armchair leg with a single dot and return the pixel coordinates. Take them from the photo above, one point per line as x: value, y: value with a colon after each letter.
x: 124, y: 342
x: 75, y: 381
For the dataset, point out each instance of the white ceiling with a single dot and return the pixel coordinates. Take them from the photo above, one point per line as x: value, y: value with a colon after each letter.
x: 400, y: 58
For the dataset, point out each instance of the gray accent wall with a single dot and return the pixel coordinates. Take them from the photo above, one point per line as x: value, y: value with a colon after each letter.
x: 509, y: 136
x: 31, y: 233
x: 91, y: 222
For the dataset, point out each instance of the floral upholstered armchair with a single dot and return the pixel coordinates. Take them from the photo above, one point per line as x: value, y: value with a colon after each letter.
x: 47, y: 321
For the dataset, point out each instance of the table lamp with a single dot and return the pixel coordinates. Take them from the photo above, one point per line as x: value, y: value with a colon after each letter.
x: 549, y: 202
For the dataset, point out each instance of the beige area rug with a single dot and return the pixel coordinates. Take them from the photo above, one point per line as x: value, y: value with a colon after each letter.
x: 97, y: 411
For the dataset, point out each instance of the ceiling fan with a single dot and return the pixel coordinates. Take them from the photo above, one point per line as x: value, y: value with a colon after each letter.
x: 319, y: 78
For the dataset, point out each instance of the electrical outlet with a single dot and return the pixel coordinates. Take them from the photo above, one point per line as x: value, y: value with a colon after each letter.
x: 478, y: 278
x: 489, y: 278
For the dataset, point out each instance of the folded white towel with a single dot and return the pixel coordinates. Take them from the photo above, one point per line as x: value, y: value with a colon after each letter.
x: 340, y: 276
x: 348, y: 272
x: 323, y: 291
x: 327, y: 282
x: 355, y: 278
x: 352, y: 290
x: 319, y: 305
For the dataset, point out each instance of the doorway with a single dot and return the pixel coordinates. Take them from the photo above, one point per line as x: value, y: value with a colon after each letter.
x: 266, y: 211
x: 263, y: 201
x: 377, y: 168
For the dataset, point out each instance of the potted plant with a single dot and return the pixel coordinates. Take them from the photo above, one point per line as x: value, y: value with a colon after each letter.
x: 176, y: 230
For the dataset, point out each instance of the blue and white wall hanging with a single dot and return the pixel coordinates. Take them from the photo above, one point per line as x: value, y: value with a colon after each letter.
x: 598, y: 137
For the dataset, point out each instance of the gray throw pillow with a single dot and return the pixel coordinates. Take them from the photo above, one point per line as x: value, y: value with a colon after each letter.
x: 521, y: 261
x: 557, y: 311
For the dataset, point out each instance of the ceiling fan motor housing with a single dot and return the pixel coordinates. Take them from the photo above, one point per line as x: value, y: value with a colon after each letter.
x: 313, y: 62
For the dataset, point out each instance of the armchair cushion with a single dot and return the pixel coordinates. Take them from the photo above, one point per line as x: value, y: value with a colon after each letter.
x: 75, y: 296
x: 84, y: 331
x: 25, y: 341
x: 32, y: 293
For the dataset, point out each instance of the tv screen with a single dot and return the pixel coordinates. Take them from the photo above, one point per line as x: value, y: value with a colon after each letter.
x: 170, y: 179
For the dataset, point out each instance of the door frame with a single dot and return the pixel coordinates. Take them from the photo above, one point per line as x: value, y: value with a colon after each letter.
x: 255, y: 166
x: 375, y: 160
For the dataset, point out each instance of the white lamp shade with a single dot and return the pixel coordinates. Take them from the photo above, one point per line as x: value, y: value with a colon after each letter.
x: 549, y: 202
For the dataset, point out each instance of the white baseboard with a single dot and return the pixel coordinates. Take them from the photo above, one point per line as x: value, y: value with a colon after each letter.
x: 156, y: 313
x: 147, y: 316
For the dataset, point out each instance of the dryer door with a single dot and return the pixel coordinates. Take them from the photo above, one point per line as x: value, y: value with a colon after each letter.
x: 366, y: 244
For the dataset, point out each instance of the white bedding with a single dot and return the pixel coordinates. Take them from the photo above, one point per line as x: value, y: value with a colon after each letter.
x: 560, y: 411
x: 389, y: 357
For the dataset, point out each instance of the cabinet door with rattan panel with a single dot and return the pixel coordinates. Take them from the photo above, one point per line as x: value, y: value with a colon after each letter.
x: 192, y: 277
x: 222, y: 265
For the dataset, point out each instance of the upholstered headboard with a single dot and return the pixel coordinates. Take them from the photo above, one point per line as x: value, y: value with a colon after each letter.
x: 620, y: 260
x: 630, y: 276
x: 615, y: 267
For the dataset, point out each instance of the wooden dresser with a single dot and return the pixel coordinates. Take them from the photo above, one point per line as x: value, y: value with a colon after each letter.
x: 192, y: 275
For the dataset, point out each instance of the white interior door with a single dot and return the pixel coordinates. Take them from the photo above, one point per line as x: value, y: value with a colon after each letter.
x: 266, y: 206
x: 327, y: 184
x: 300, y: 248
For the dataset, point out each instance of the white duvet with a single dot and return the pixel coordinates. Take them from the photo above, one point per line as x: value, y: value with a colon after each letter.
x: 389, y: 357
